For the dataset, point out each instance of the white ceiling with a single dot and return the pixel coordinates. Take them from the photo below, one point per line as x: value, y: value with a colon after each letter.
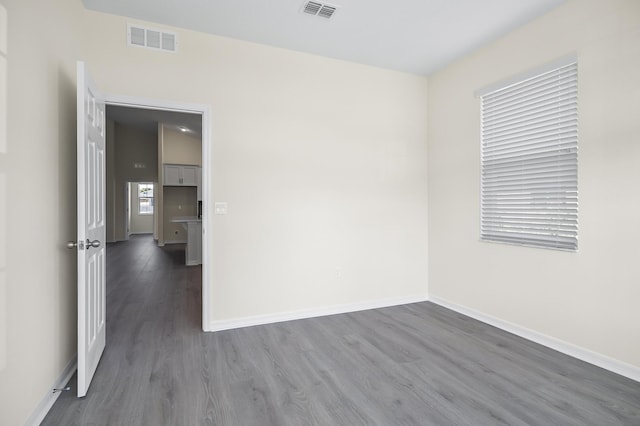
x: 416, y: 36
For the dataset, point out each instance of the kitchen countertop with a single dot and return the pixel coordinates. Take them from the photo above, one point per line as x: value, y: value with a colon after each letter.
x: 193, y: 249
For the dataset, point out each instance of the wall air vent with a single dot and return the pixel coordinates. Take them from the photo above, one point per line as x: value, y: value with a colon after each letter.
x: 152, y: 38
x: 322, y: 10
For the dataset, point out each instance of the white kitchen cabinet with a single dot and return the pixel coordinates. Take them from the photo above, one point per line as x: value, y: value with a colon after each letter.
x: 172, y: 174
x: 190, y: 175
x: 180, y: 175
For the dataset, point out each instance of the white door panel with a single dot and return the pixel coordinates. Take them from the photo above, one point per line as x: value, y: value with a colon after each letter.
x: 91, y: 229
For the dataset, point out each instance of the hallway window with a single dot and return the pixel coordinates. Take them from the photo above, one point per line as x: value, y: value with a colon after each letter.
x: 145, y: 198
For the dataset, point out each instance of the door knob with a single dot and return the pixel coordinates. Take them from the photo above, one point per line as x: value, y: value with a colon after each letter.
x: 94, y: 243
x: 71, y: 244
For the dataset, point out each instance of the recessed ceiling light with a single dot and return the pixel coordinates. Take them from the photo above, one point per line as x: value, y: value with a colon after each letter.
x: 183, y: 129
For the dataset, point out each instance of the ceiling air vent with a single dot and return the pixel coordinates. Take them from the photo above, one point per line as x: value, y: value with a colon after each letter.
x: 322, y: 10
x: 151, y: 38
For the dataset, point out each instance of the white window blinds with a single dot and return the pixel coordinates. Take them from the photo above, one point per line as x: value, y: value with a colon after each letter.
x: 529, y: 183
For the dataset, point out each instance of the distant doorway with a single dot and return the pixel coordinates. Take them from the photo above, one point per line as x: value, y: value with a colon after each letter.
x: 140, y: 212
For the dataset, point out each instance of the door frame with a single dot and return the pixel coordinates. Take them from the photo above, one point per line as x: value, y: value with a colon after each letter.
x: 127, y: 210
x: 207, y: 160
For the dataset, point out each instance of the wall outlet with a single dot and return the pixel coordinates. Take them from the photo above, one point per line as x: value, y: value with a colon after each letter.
x: 220, y: 208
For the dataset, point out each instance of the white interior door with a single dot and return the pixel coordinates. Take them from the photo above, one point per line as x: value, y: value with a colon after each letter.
x: 91, y: 229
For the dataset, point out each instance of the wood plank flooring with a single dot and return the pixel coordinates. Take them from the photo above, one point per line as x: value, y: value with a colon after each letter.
x: 417, y: 364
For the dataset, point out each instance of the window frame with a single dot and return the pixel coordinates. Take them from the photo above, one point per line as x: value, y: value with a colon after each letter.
x: 146, y: 197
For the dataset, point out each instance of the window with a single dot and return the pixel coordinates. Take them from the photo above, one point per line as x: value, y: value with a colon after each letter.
x: 529, y: 182
x: 145, y: 198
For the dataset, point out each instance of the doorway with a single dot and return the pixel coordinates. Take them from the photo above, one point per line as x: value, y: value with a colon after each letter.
x: 184, y: 118
x: 140, y: 208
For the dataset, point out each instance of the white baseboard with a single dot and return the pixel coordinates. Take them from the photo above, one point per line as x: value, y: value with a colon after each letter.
x: 630, y: 371
x: 312, y: 313
x: 50, y: 397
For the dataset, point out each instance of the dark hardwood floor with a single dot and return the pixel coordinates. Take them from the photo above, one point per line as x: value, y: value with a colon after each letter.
x: 417, y: 364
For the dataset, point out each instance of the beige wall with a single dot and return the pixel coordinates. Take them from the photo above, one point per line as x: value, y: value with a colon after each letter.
x: 140, y: 223
x: 3, y: 187
x: 126, y: 146
x: 181, y: 148
x: 134, y: 145
x: 37, y: 272
x: 322, y: 162
x: 588, y: 298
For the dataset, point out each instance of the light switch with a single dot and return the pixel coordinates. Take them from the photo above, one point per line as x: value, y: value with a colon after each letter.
x: 220, y: 208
